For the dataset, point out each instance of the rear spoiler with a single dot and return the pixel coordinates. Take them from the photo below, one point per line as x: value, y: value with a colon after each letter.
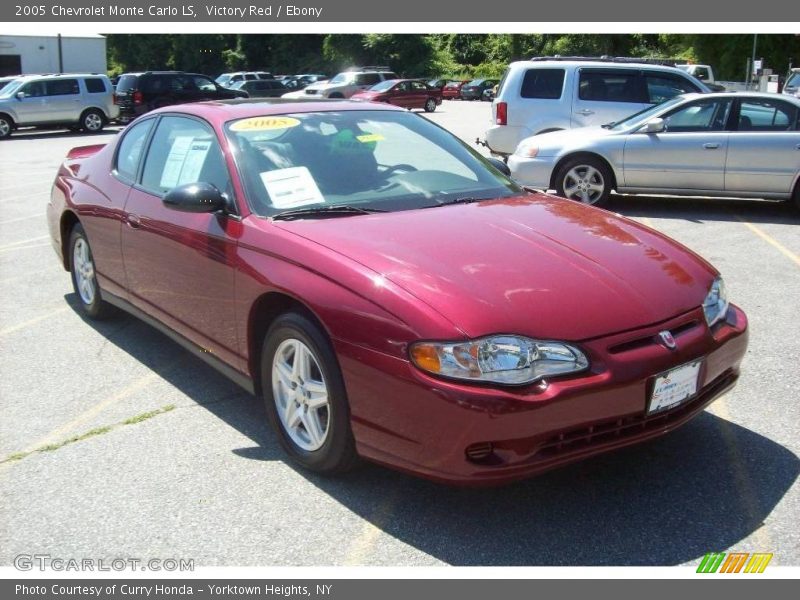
x: 84, y: 151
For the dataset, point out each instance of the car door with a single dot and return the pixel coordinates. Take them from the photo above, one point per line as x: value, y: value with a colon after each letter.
x: 764, y: 148
x: 31, y: 104
x: 63, y: 99
x: 399, y: 94
x: 418, y: 94
x: 688, y: 155
x: 180, y: 266
x: 606, y: 94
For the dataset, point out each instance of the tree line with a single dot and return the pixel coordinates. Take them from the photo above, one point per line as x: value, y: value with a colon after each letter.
x: 433, y: 55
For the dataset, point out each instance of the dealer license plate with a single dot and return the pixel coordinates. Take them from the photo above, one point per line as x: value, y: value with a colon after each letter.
x: 674, y: 386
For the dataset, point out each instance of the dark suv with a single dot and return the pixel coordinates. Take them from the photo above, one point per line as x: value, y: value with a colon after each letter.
x: 138, y: 93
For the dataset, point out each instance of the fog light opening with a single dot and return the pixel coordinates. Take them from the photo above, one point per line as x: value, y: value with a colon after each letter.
x: 481, y: 452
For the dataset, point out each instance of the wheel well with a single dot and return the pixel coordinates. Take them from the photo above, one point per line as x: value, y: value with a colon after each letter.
x: 96, y: 109
x: 574, y: 155
x: 550, y: 130
x: 68, y: 221
x: 263, y: 312
x: 7, y: 116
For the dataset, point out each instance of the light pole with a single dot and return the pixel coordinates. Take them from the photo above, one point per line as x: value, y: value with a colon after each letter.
x: 753, y: 60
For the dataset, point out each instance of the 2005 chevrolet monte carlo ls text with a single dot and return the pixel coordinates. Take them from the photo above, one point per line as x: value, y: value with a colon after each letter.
x: 390, y: 293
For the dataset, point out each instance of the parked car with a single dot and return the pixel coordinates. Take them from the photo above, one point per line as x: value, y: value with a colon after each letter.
x: 301, y: 82
x: 553, y: 93
x: 722, y: 144
x: 7, y: 80
x: 406, y: 93
x: 473, y: 90
x: 792, y: 85
x: 704, y: 73
x: 231, y: 79
x: 80, y: 100
x: 345, y: 84
x: 261, y: 88
x: 452, y: 91
x: 390, y: 294
x: 489, y: 93
x: 139, y: 93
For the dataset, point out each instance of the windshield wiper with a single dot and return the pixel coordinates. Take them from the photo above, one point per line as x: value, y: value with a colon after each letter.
x: 461, y: 200
x: 608, y: 125
x: 333, y: 210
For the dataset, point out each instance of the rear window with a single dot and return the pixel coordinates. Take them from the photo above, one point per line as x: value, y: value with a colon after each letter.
x: 609, y: 85
x: 127, y: 83
x: 95, y: 85
x: 367, y: 78
x: 663, y: 86
x: 545, y: 84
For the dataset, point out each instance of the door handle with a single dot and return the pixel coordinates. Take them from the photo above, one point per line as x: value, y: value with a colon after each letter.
x: 711, y: 146
x: 585, y: 112
x: 133, y: 221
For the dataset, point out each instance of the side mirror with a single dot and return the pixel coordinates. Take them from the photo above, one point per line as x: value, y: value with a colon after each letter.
x: 655, y: 126
x: 499, y: 165
x: 195, y: 198
x: 20, y: 95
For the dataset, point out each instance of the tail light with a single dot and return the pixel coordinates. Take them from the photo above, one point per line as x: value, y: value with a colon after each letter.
x: 501, y: 114
x: 137, y: 97
x: 114, y: 98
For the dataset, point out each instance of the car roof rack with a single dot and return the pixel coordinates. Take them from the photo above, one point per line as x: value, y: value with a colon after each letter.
x: 666, y: 62
x: 369, y: 68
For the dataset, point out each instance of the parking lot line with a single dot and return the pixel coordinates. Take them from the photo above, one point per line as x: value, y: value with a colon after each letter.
x: 33, y: 321
x: 772, y: 241
x: 36, y: 216
x: 363, y: 544
x: 12, y: 245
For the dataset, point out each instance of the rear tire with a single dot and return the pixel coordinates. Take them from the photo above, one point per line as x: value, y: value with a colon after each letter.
x: 92, y: 121
x: 305, y: 396
x: 796, y: 196
x: 430, y: 105
x: 585, y: 179
x: 84, y: 277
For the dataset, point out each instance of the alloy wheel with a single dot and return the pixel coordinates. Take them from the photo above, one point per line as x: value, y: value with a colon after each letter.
x: 584, y: 183
x: 93, y: 121
x: 83, y: 271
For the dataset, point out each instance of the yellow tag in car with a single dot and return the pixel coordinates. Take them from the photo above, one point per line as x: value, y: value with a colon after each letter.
x: 370, y: 137
x: 264, y: 124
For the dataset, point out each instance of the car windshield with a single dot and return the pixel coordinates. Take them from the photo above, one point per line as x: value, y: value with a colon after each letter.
x: 238, y: 85
x: 11, y: 87
x: 369, y: 159
x: 382, y: 86
x: 641, y: 117
x: 223, y: 79
x: 793, y: 81
x: 342, y: 78
x: 474, y: 82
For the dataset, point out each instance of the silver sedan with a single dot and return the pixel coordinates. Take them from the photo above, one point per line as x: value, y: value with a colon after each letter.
x: 724, y: 144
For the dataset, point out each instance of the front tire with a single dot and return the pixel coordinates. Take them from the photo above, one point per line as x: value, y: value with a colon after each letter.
x: 585, y: 179
x: 92, y: 121
x: 6, y: 126
x: 430, y: 105
x: 305, y: 396
x: 84, y: 277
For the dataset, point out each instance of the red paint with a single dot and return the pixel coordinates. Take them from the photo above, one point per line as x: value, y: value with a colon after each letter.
x: 401, y: 94
x: 534, y: 265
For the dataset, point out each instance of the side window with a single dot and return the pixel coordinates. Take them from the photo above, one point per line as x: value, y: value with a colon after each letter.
x: 129, y: 152
x: 390, y: 75
x: 418, y: 86
x: 157, y: 84
x: 401, y: 87
x: 206, y: 85
x: 756, y: 114
x: 250, y: 77
x: 184, y: 151
x: 607, y: 85
x: 34, y: 89
x: 545, y: 84
x: 702, y: 115
x: 236, y: 78
x: 663, y: 86
x: 367, y: 78
x: 95, y: 85
x: 62, y: 87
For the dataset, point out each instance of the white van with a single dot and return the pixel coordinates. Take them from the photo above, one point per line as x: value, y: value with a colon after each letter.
x: 554, y: 93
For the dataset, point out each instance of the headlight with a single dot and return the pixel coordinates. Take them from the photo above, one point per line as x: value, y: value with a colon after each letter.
x: 504, y: 359
x: 527, y: 148
x: 715, y: 306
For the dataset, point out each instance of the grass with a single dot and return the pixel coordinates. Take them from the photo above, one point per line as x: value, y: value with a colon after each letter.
x: 89, y: 434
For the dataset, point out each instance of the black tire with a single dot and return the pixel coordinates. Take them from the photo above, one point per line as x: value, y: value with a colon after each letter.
x: 337, y: 453
x: 796, y: 196
x: 6, y: 126
x: 591, y: 180
x: 96, y: 307
x: 92, y: 121
x: 430, y: 105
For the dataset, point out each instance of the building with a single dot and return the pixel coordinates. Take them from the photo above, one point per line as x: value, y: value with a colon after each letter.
x: 27, y: 54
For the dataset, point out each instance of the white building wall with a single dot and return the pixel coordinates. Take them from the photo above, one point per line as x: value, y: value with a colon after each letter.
x: 39, y: 54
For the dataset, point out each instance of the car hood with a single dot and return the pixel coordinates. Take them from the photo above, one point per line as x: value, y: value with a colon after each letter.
x: 533, y: 265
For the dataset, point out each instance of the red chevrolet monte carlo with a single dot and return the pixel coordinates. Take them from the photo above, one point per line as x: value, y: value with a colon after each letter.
x: 391, y: 294
x: 406, y: 93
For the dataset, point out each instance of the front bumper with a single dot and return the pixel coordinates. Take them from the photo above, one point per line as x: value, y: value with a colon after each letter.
x: 533, y: 172
x: 408, y: 420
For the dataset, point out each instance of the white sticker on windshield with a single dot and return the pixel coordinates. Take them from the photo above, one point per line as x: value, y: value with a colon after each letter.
x: 289, y: 188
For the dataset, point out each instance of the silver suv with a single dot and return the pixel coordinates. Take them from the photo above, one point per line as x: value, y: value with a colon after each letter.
x: 345, y: 84
x: 565, y: 92
x: 79, y: 101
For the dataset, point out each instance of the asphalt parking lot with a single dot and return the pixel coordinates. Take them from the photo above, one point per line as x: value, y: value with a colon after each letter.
x: 115, y: 442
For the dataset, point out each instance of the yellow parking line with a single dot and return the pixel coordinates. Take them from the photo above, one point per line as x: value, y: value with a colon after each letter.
x: 363, y: 544
x: 33, y: 321
x: 772, y: 241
